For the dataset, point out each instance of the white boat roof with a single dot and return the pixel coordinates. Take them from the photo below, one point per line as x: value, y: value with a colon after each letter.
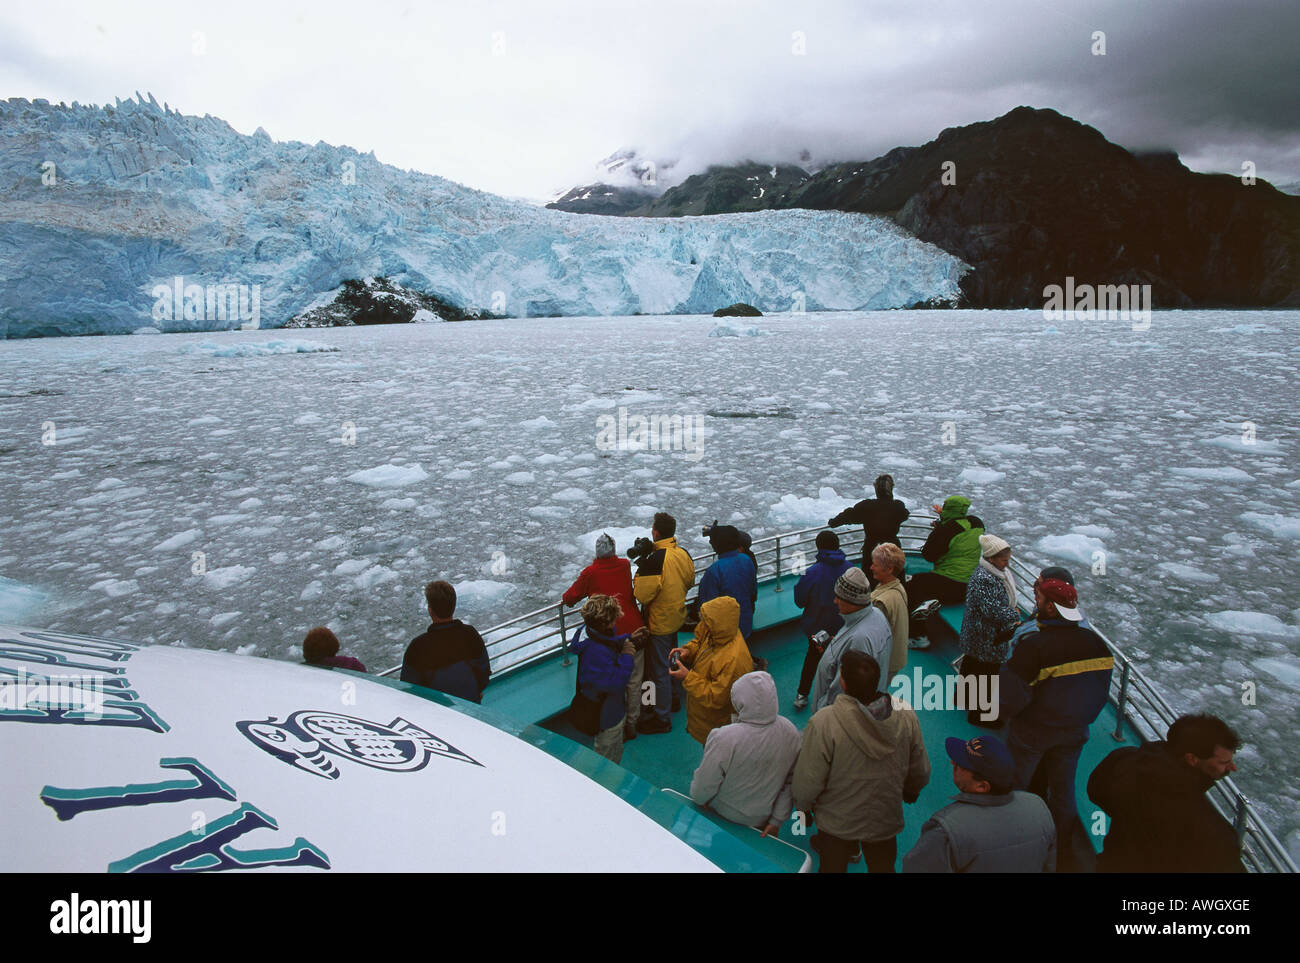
x: 125, y: 757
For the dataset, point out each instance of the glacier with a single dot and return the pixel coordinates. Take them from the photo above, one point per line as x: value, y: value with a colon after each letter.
x: 109, y: 209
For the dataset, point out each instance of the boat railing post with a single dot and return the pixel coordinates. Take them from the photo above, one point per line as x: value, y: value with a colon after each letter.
x: 778, y: 564
x: 1241, y: 819
x: 564, y: 638
x: 1118, y: 734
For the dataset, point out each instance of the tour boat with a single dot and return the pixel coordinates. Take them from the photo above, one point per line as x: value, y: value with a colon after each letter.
x: 122, y: 757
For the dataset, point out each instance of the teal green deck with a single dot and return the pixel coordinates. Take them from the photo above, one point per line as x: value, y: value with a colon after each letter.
x: 541, y: 693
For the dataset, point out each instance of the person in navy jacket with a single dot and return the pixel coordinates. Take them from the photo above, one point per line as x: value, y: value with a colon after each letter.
x: 448, y: 656
x: 815, y: 594
x: 605, y: 662
x: 732, y: 574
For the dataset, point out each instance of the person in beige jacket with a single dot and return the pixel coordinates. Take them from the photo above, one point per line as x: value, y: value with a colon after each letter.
x: 887, y: 566
x: 861, y: 759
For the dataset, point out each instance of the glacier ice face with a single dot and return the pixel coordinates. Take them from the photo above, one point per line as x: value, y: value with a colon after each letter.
x: 131, y: 216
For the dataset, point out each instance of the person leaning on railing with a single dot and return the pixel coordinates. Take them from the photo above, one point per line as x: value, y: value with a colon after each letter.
x: 880, y: 518
x: 321, y: 648
x: 605, y: 659
x: 1161, y: 821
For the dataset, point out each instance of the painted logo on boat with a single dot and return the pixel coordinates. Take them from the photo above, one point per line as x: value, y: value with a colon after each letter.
x: 308, y: 739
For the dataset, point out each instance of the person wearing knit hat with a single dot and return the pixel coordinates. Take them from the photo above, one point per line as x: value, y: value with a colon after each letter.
x: 611, y: 575
x: 865, y: 630
x: 992, y: 613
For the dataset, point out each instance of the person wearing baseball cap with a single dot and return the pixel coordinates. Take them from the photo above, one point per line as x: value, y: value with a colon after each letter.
x: 1052, y: 689
x: 1062, y: 574
x: 865, y: 630
x: 989, y: 827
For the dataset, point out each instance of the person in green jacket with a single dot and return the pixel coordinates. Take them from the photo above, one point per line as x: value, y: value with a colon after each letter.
x: 954, y: 549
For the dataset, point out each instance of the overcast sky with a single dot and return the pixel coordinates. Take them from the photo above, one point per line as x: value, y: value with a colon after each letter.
x: 523, y: 98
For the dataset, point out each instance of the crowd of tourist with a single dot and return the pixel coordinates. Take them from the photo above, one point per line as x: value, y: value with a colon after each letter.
x: 861, y: 758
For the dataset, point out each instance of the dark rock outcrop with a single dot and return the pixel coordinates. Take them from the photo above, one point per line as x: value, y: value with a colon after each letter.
x: 738, y: 310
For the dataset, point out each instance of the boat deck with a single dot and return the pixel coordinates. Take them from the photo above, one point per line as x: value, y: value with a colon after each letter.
x: 541, y: 694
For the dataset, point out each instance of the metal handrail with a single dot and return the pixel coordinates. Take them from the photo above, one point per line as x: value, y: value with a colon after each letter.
x: 1133, y: 696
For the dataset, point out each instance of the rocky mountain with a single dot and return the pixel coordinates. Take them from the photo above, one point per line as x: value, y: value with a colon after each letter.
x: 1034, y: 197
x: 134, y: 216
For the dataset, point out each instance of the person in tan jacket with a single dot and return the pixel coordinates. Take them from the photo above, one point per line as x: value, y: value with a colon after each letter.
x: 861, y: 759
x: 662, y: 580
x: 887, y: 566
x: 709, y: 664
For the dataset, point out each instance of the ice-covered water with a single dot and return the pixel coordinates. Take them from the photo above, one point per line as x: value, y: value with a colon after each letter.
x: 328, y: 486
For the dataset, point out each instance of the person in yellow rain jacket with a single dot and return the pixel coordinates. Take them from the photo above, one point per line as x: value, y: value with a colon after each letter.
x: 663, y: 577
x: 709, y: 664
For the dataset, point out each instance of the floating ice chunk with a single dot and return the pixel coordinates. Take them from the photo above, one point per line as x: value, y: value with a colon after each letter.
x: 458, y: 474
x: 248, y: 649
x: 1285, y: 671
x: 425, y: 316
x: 352, y: 566
x: 481, y: 593
x: 250, y: 503
x: 547, y: 459
x: 389, y: 476
x: 109, y: 483
x: 116, y: 588
x: 571, y: 495
x: 331, y: 543
x: 314, y: 590
x: 222, y: 619
x: 1187, y: 573
x: 18, y: 600
x: 519, y: 478
x: 1286, y: 526
x: 1252, y: 623
x: 310, y: 418
x: 793, y: 512
x: 112, y: 495
x: 894, y: 460
x: 146, y: 330
x: 204, y: 420
x: 1073, y: 547
x: 536, y: 424
x: 257, y: 349
x: 1224, y: 474
x: 1095, y: 531
x: 179, y: 540
x: 981, y: 476
x: 593, y: 404
x: 1257, y: 446
x: 732, y: 329
x: 375, y: 575
x: 223, y: 578
x: 398, y: 504
x: 165, y: 608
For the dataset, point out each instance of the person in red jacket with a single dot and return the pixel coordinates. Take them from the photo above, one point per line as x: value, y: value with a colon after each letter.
x: 611, y: 575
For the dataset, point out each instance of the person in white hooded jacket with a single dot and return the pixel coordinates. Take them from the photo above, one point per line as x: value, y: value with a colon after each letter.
x: 746, y: 772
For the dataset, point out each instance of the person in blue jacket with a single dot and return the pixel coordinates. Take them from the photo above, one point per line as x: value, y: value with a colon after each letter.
x: 732, y: 574
x: 815, y: 594
x: 605, y: 663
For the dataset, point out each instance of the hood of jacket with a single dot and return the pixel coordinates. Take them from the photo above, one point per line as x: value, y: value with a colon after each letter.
x: 754, y: 698
x: 875, y: 728
x: 954, y: 506
x: 831, y: 556
x: 720, y: 618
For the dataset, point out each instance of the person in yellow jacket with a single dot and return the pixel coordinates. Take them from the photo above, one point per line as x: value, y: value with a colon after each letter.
x: 709, y: 664
x: 662, y: 580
